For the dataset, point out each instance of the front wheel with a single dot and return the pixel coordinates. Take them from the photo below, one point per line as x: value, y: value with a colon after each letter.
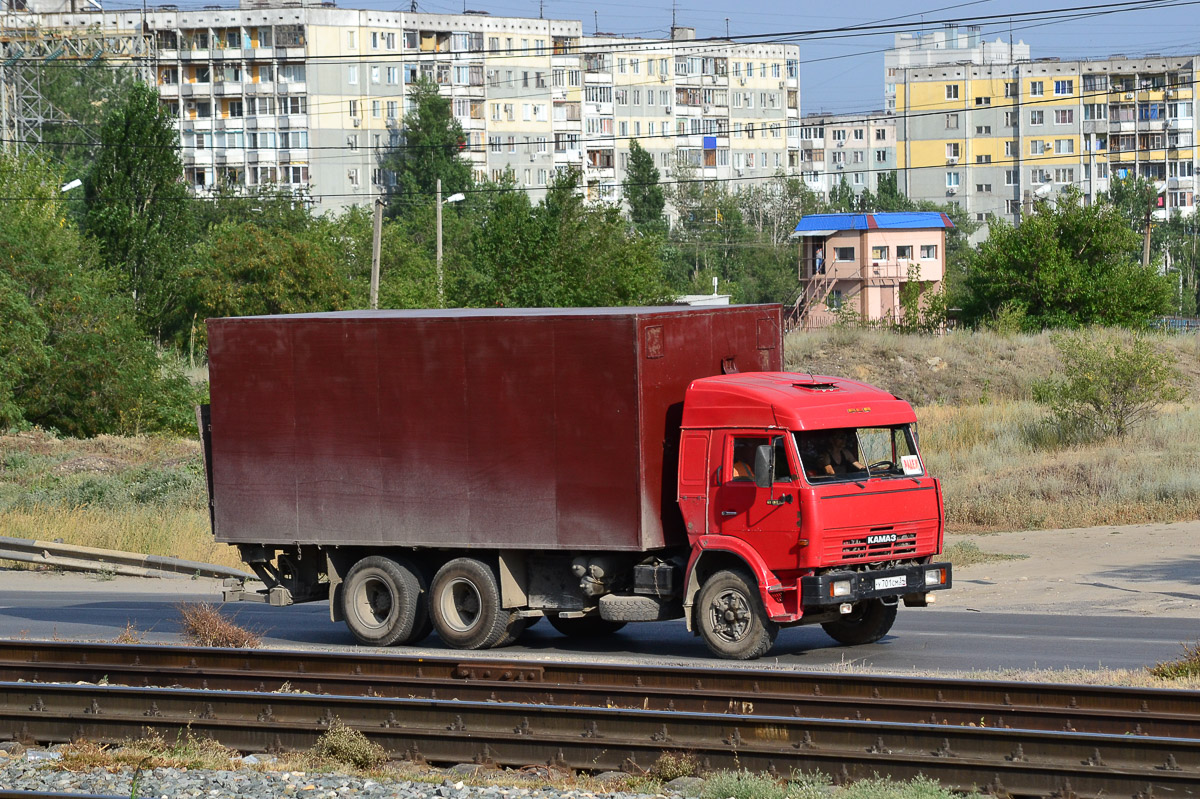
x: 464, y: 601
x: 730, y: 616
x: 383, y: 602
x: 866, y: 624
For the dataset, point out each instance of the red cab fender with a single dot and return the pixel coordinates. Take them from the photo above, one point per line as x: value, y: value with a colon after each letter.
x: 770, y: 589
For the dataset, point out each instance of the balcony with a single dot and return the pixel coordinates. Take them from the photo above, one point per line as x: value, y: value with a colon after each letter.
x: 228, y: 87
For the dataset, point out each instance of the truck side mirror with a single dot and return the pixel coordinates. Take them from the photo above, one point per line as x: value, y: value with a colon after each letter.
x: 764, y: 466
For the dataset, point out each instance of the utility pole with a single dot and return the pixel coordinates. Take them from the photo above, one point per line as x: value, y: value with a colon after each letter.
x: 375, y: 247
x: 441, y: 291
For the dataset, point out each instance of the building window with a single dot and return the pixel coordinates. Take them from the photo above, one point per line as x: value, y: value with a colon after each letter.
x: 879, y: 253
x: 880, y: 134
x: 951, y: 121
x: 1037, y: 147
x: 983, y: 101
x: 951, y: 91
x: 903, y: 252
x: 928, y: 251
x: 1010, y: 90
x: 1062, y: 87
x: 983, y: 188
x: 952, y: 150
x: 1010, y: 177
x: 1012, y: 207
x: 1064, y: 146
x: 952, y: 180
x: 1010, y: 149
x: 881, y: 156
x: 1064, y: 176
x: 983, y: 130
x: 1010, y: 119
x: 1037, y: 117
x: 1064, y: 116
x: 843, y: 253
x: 352, y: 74
x: 983, y: 159
x: 1036, y: 89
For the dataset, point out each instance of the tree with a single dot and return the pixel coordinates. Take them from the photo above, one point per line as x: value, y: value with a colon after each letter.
x: 138, y: 206
x: 1107, y: 384
x: 72, y: 355
x: 841, y: 197
x: 1065, y: 266
x: 245, y: 269
x: 888, y: 196
x: 642, y: 192
x: 432, y: 146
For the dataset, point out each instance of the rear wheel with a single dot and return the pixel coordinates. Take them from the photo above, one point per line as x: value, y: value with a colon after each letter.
x: 465, y: 605
x: 867, y: 623
x: 730, y: 616
x: 383, y: 602
x: 585, y: 626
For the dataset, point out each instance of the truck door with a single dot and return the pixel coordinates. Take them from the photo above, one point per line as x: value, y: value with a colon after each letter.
x: 762, y: 517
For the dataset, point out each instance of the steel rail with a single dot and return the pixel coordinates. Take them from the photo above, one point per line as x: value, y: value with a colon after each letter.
x: 1021, y: 762
x: 1042, y: 706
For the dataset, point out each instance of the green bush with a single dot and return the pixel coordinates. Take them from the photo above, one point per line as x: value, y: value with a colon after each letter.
x: 1107, y: 384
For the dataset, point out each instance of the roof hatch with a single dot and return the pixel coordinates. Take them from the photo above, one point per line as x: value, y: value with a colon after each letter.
x: 817, y: 386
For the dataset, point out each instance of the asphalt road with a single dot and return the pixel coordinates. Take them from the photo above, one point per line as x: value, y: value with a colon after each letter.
x: 927, y: 640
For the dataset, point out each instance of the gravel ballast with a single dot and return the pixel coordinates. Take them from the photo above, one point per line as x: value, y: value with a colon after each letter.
x: 37, y: 770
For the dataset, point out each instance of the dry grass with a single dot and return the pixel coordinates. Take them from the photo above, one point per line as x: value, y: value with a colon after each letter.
x: 177, y: 532
x: 968, y: 553
x: 1001, y: 470
x: 345, y: 746
x: 1186, y: 668
x: 203, y: 625
x: 186, y: 752
x: 960, y: 368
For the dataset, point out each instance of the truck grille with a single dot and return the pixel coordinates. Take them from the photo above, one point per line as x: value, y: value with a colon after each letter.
x: 858, y: 549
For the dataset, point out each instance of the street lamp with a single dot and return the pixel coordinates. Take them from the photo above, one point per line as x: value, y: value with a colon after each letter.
x: 453, y: 198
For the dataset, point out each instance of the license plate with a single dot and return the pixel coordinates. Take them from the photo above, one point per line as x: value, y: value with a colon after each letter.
x: 890, y: 582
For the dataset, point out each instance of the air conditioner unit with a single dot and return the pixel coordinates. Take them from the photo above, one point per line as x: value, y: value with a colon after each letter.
x: 662, y: 78
x: 741, y: 81
x: 357, y: 122
x: 841, y: 143
x: 1128, y: 95
x: 952, y: 159
x: 951, y: 191
x: 190, y: 105
x: 783, y: 84
x: 840, y: 166
x: 739, y: 172
x: 667, y: 109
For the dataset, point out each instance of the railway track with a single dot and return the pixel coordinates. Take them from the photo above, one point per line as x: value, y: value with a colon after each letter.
x: 1024, y: 739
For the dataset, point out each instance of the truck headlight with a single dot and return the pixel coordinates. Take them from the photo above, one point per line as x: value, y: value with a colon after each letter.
x: 840, y: 588
x: 935, y: 577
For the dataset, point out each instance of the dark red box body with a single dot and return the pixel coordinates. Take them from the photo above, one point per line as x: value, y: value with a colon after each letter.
x: 524, y: 429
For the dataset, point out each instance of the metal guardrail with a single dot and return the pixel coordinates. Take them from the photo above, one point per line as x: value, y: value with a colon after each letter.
x: 92, y: 559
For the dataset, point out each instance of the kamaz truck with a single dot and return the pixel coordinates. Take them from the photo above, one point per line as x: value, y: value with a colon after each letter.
x: 471, y: 471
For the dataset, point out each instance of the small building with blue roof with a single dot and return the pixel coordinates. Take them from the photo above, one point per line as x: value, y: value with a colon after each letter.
x: 859, y: 262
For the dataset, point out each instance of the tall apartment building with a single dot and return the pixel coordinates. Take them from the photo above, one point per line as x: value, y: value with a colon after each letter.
x: 857, y: 148
x: 950, y: 44
x: 728, y: 110
x: 308, y: 96
x: 992, y: 138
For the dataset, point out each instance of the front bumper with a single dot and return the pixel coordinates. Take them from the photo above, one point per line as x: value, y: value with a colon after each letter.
x: 820, y: 591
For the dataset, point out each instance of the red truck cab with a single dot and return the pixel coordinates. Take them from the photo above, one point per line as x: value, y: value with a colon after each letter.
x: 812, y: 491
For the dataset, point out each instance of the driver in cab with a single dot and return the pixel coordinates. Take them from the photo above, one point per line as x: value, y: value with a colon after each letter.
x: 839, y: 458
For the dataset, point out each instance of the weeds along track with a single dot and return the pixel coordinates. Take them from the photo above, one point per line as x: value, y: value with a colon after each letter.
x: 1024, y: 739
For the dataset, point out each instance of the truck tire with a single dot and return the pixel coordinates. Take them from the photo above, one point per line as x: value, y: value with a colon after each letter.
x: 730, y: 616
x: 464, y: 601
x: 585, y: 626
x: 866, y: 624
x: 383, y: 601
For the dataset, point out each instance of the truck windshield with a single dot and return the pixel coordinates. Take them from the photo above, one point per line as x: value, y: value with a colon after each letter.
x: 858, y: 453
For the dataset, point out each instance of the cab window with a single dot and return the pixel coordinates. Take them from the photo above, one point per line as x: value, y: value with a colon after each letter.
x: 856, y: 454
x: 745, y: 449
